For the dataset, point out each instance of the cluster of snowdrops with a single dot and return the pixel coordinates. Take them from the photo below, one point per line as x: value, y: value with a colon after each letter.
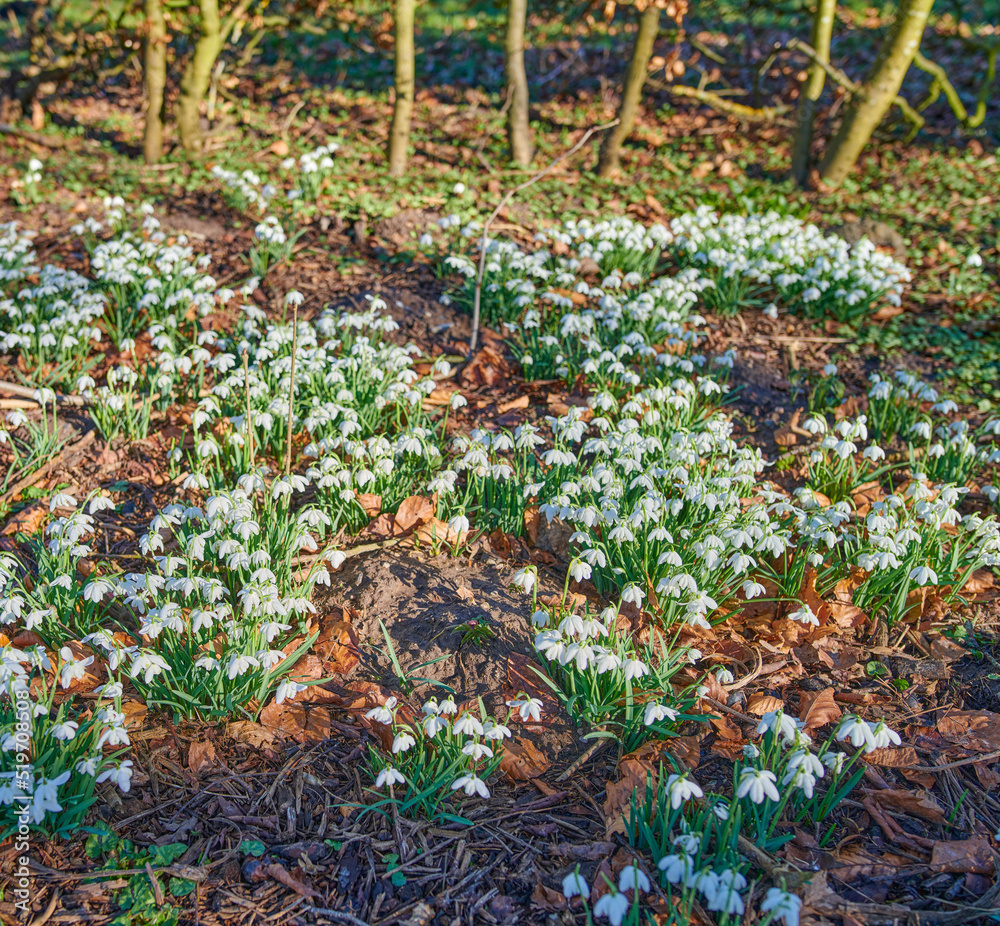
x: 666, y: 512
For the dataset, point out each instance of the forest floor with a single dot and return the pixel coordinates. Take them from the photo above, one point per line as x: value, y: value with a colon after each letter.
x: 276, y: 816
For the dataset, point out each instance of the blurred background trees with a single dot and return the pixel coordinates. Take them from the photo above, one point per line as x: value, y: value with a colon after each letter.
x: 182, y: 49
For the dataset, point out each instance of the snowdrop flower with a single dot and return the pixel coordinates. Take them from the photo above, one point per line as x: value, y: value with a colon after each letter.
x: 524, y: 579
x: 467, y: 725
x: 856, y: 731
x: 635, y: 668
x: 46, y: 796
x: 287, y: 689
x: 655, y: 712
x: 722, y: 892
x: 120, y: 775
x: 681, y: 789
x: 612, y: 907
x: 471, y: 785
x: 65, y: 731
x: 477, y: 751
x: 677, y: 869
x: 923, y: 575
x: 883, y: 737
x: 403, y: 742
x: 389, y: 776
x: 574, y: 885
x: 385, y: 713
x: 73, y: 669
x: 804, y: 615
x: 779, y: 722
x: 60, y: 499
x: 528, y: 709
x: 633, y: 878
x: 782, y: 906
x: 757, y: 784
x: 633, y: 594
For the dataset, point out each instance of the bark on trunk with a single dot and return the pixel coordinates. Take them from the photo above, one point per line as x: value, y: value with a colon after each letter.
x: 518, y: 129
x: 197, y: 77
x: 875, y: 95
x: 822, y: 31
x: 608, y: 161
x: 402, y: 111
x: 155, y: 66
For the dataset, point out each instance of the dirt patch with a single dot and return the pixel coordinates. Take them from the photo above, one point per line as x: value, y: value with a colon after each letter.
x: 427, y: 607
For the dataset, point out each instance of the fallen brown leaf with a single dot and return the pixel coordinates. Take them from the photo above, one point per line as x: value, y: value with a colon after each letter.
x: 412, y: 512
x: 818, y: 711
x: 522, y: 761
x: 920, y: 804
x: 964, y: 856
x: 202, y: 757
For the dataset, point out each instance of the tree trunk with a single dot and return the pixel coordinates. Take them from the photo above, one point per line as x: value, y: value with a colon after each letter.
x: 197, y: 77
x: 635, y: 79
x: 518, y: 130
x: 402, y: 110
x: 155, y: 67
x: 875, y: 95
x: 821, y: 33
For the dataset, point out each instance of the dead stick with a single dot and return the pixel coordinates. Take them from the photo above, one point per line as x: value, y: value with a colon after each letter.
x: 45, y: 141
x: 477, y: 297
x: 986, y: 757
x: 592, y: 751
x: 291, y: 390
x: 31, y: 392
x: 27, y: 481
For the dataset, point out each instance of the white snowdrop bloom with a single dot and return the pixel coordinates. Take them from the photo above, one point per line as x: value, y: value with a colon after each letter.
x: 655, y: 712
x: 757, y: 784
x: 388, y: 777
x: 528, y: 709
x: 384, y: 713
x: 782, y: 906
x: 524, y: 579
x: 883, y: 738
x: 403, y: 742
x: 633, y: 878
x: 574, y: 885
x: 856, y: 731
x: 682, y: 789
x: 804, y: 615
x: 923, y: 575
x: 779, y: 722
x: 612, y: 907
x: 468, y: 725
x: 471, y: 784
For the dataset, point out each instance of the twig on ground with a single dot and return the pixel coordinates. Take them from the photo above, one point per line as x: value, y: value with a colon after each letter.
x: 50, y: 908
x: 46, y: 141
x: 592, y: 751
x: 336, y: 915
x: 972, y: 760
x: 477, y: 297
x: 291, y: 389
x: 42, y: 471
x: 30, y: 392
